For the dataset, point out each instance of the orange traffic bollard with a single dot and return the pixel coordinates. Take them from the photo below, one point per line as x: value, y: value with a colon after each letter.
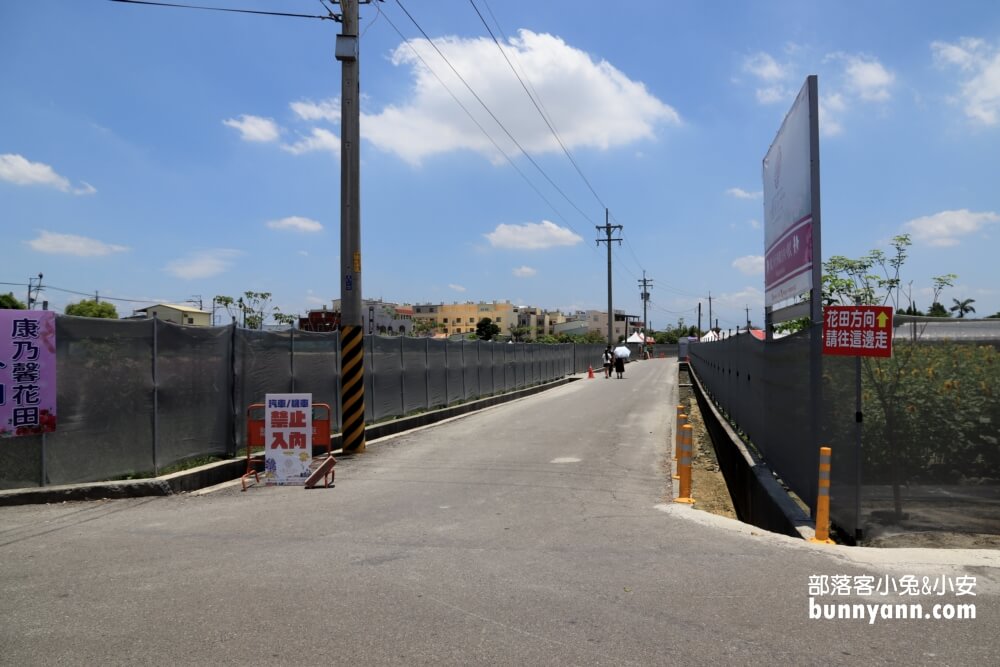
x: 684, y: 466
x: 590, y: 372
x: 823, y: 499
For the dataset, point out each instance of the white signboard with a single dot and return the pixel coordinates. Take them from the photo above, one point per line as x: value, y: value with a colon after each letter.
x: 788, y: 214
x: 287, y: 438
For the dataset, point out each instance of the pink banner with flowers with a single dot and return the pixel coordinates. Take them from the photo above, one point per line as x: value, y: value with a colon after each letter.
x: 27, y: 372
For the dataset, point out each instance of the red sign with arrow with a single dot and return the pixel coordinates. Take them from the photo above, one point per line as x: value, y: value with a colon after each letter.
x: 857, y: 331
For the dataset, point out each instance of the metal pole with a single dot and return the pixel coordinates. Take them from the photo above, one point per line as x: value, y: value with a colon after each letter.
x: 611, y: 312
x: 156, y: 396
x: 816, y: 310
x: 351, y: 324
x: 608, y: 228
x: 858, y: 426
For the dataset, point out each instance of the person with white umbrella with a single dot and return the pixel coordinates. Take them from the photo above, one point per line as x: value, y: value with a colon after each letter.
x: 621, y: 354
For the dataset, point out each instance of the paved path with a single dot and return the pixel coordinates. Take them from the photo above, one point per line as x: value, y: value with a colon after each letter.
x: 530, y: 533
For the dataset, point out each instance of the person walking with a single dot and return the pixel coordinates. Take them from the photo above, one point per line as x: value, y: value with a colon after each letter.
x: 620, y: 367
x: 608, y: 359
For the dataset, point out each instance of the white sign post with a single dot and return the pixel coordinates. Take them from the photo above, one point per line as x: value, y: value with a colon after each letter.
x: 287, y: 438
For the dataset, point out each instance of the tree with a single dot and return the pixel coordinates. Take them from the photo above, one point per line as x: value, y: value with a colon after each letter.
x: 937, y: 310
x: 251, y: 307
x: 519, y: 333
x: 9, y: 302
x: 875, y: 280
x: 92, y: 308
x: 963, y: 307
x: 424, y: 327
x: 282, y: 318
x: 486, y: 330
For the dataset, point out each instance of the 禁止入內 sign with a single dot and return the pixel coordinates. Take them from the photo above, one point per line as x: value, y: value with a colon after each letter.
x: 857, y: 331
x: 287, y: 438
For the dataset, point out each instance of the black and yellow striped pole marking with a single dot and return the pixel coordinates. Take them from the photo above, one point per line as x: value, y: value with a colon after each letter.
x: 823, y: 498
x: 352, y: 388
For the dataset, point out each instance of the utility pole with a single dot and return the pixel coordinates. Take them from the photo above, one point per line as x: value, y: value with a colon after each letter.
x: 38, y: 288
x: 646, y: 284
x: 748, y: 318
x: 352, y: 366
x: 699, y: 319
x: 608, y: 230
x: 709, y: 310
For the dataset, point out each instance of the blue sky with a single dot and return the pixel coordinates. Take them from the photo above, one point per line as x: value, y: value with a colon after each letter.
x: 156, y: 154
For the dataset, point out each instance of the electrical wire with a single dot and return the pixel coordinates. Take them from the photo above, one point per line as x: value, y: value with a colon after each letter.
x: 509, y: 159
x: 536, y: 105
x: 494, y: 116
x: 331, y: 17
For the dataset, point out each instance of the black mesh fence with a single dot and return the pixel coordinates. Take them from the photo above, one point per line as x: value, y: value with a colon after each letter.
x: 137, y: 396
x: 915, y: 438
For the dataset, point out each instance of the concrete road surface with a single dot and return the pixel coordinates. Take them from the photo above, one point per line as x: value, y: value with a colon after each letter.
x: 532, y: 533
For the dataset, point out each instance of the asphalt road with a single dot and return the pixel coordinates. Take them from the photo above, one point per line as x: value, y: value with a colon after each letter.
x: 530, y: 533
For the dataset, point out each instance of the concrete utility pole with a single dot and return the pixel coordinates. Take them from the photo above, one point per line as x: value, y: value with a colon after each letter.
x: 646, y: 285
x: 709, y: 310
x: 699, y: 319
x: 608, y: 229
x: 352, y: 366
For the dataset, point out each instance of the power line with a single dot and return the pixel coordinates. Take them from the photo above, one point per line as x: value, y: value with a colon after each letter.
x: 509, y: 159
x: 535, y: 103
x: 330, y: 17
x: 493, y: 115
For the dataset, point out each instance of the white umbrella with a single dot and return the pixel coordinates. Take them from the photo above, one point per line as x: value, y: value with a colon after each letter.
x: 622, y: 352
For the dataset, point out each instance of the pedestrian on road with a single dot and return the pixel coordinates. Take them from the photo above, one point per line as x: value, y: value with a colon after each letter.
x: 608, y: 359
x: 620, y: 367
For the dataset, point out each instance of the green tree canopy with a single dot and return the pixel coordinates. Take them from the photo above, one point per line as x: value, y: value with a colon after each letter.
x: 92, y: 308
x: 486, y: 329
x: 937, y: 310
x: 9, y: 302
x: 962, y: 307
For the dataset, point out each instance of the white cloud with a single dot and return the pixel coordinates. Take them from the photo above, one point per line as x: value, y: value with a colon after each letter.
x: 980, y: 91
x: 19, y: 170
x: 831, y: 107
x: 524, y: 272
x: 254, y: 128
x: 868, y: 78
x: 318, y: 140
x: 296, y: 223
x: 945, y: 228
x: 328, y: 110
x: 457, y: 288
x: 751, y: 265
x: 773, y: 94
x: 740, y: 193
x: 203, y: 264
x: 71, y: 244
x: 763, y: 66
x: 532, y: 236
x: 771, y: 75
x: 85, y: 189
x: 754, y: 223
x: 591, y: 103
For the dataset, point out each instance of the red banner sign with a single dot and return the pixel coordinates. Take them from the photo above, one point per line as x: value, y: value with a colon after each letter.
x: 857, y: 331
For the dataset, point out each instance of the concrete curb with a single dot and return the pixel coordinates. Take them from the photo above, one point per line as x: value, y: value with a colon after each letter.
x: 224, y: 471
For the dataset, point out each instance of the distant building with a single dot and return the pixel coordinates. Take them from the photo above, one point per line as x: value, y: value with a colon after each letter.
x: 462, y: 318
x: 383, y: 318
x: 320, y: 320
x: 187, y: 315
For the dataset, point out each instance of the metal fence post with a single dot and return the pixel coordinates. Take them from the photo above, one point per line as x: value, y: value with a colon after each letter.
x: 156, y: 395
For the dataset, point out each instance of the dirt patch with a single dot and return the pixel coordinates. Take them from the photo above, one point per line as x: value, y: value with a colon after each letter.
x: 708, y: 486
